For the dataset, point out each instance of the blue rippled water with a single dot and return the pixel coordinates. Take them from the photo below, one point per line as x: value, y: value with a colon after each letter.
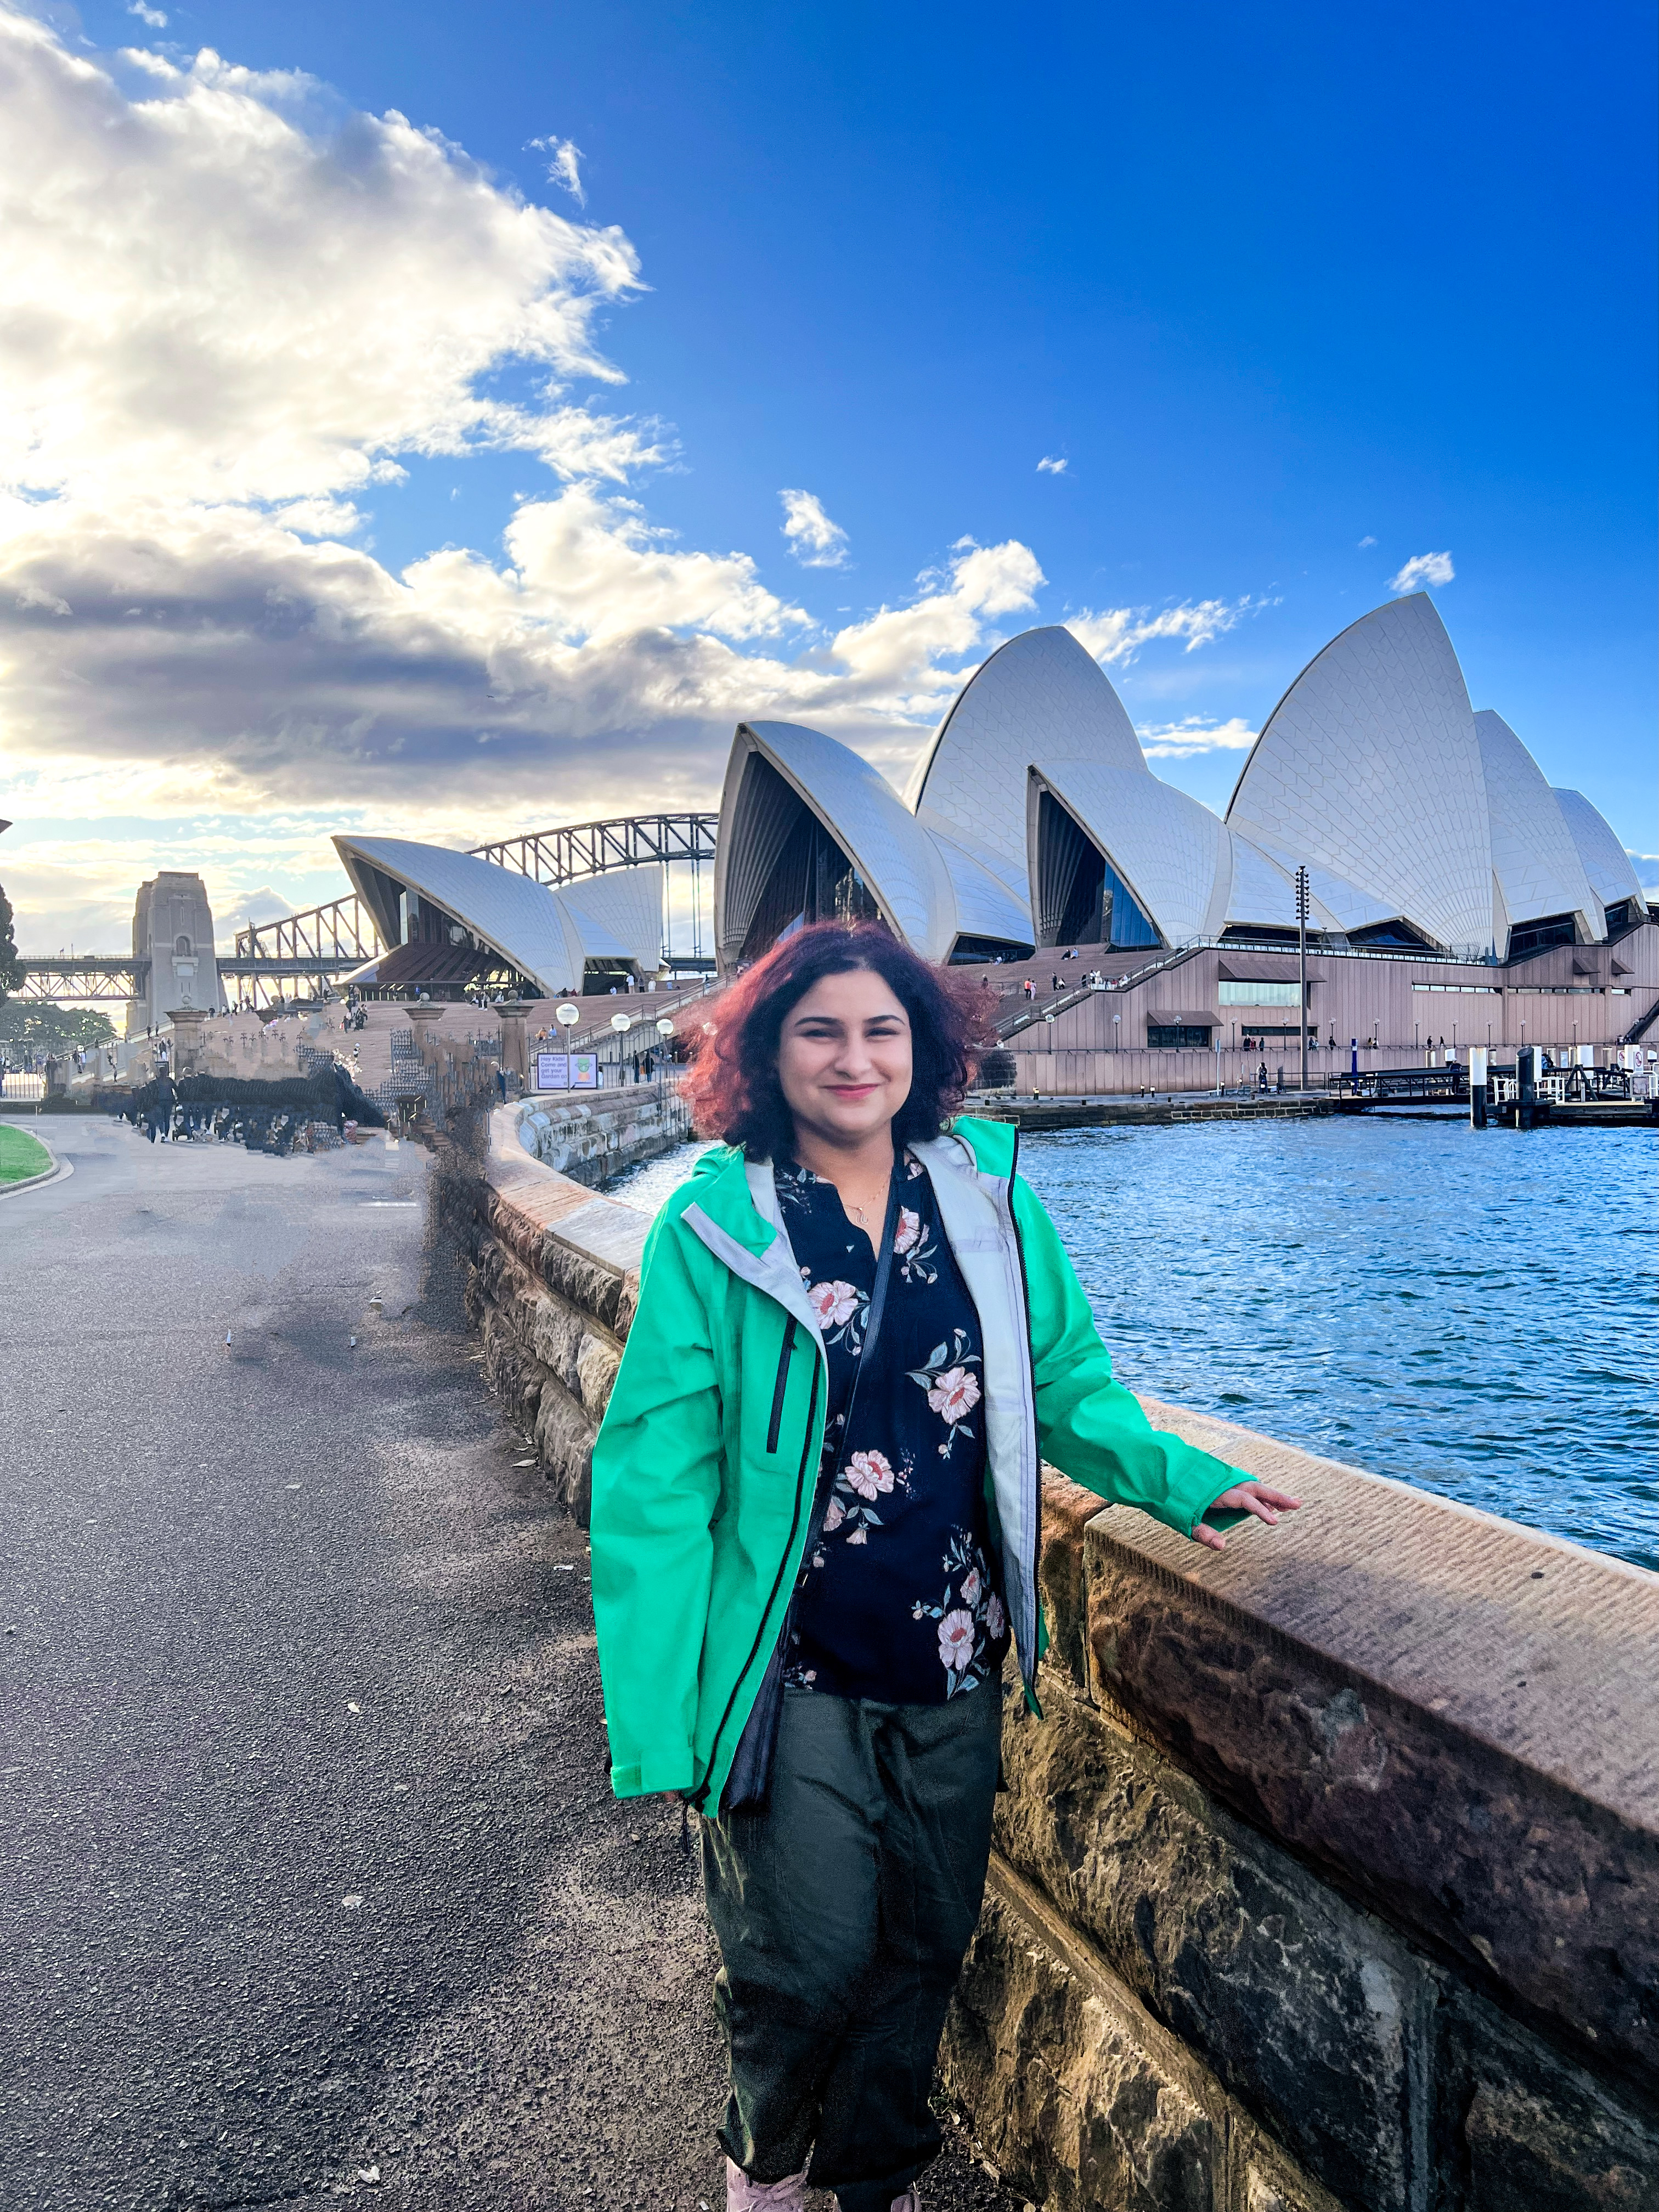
x: 1473, y: 1314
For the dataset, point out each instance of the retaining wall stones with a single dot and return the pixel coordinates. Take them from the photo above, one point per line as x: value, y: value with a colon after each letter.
x: 592, y: 1139
x: 1329, y: 1877
x: 552, y: 1276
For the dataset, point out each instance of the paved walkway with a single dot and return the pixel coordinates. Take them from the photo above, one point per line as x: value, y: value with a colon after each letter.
x: 311, y: 1886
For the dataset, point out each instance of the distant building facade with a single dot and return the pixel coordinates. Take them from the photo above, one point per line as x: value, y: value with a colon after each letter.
x: 172, y: 952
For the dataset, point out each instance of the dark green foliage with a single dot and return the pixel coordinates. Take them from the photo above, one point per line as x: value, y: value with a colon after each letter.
x: 11, y: 968
x: 46, y: 1027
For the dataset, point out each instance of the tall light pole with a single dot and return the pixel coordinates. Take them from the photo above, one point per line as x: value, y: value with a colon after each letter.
x: 1302, y: 966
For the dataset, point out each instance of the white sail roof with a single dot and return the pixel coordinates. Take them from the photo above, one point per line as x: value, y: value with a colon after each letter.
x: 1167, y: 848
x: 1370, y: 767
x: 1374, y: 773
x: 1533, y: 857
x: 547, y: 935
x: 1039, y: 700
x: 899, y: 863
x: 1606, y: 863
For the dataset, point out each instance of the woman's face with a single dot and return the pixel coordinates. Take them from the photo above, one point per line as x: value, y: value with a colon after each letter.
x: 844, y: 1057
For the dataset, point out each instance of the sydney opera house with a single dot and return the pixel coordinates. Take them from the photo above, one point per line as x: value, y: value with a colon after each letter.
x: 1454, y: 895
x: 1033, y: 820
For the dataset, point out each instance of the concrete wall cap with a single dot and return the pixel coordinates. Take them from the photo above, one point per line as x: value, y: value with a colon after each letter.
x: 1446, y: 1607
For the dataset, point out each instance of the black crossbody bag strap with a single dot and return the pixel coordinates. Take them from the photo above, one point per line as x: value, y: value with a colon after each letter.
x: 749, y: 1786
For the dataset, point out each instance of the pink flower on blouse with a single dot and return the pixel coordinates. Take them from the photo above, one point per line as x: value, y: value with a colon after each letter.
x: 955, y: 1393
x: 869, y: 1474
x: 835, y: 1516
x: 995, y: 1619
x: 908, y: 1234
x: 956, y: 1640
x: 971, y: 1586
x: 858, y: 1536
x: 833, y: 1303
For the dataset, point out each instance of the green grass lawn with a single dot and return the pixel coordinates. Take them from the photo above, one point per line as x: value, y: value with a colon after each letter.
x: 21, y: 1155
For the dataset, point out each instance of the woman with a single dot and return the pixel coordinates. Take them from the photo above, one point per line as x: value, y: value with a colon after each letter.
x: 815, y: 1520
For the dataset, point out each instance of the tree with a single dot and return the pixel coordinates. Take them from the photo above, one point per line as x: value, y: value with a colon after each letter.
x: 11, y: 968
x: 46, y: 1027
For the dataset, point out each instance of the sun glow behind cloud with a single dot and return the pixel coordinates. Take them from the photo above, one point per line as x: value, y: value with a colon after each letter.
x: 207, y: 666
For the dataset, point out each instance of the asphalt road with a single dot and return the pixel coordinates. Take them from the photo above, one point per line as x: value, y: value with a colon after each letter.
x: 311, y: 1881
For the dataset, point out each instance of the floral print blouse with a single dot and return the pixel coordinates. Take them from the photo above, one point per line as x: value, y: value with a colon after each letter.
x: 898, y: 1599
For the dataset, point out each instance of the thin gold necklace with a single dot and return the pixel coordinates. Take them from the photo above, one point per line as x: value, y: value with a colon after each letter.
x: 857, y: 1211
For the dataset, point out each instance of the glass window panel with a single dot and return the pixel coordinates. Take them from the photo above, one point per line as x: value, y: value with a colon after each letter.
x: 1258, y: 994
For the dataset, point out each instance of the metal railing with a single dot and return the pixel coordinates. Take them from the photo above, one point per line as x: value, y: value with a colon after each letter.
x: 90, y: 978
x: 588, y: 848
x: 1446, y: 1086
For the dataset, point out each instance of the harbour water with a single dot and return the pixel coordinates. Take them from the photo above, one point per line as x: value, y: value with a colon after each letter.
x: 1473, y: 1314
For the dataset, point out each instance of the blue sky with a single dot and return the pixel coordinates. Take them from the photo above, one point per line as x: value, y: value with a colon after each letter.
x: 1295, y: 295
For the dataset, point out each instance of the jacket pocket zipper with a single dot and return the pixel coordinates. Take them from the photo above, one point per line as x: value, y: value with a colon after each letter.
x: 700, y: 1797
x: 776, y: 1421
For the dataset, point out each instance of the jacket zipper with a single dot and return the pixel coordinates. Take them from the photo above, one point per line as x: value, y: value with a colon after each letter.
x: 700, y: 1797
x: 777, y: 1388
x: 1030, y: 1372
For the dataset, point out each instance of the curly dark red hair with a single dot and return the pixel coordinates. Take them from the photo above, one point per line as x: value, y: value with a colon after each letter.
x: 732, y: 1087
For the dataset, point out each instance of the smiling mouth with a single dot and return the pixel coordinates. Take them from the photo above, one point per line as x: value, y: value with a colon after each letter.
x: 852, y: 1089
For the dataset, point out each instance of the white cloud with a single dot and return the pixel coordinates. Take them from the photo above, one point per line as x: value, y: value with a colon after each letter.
x: 1646, y: 866
x: 204, y: 294
x: 815, y: 541
x: 1183, y: 740
x: 1053, y: 468
x: 563, y: 166
x: 1364, y: 542
x: 153, y: 16
x: 892, y: 656
x: 233, y: 313
x: 1116, y: 634
x: 1423, y: 568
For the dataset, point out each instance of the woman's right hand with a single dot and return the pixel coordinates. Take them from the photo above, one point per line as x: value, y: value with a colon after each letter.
x: 1245, y: 1498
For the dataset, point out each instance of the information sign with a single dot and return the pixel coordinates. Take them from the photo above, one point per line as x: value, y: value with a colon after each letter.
x: 584, y: 1071
x: 552, y: 1070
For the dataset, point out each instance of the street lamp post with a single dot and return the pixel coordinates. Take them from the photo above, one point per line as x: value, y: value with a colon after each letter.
x: 567, y: 1017
x: 1302, y: 966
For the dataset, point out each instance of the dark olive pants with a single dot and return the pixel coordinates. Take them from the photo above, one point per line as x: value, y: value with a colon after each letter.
x: 842, y: 1912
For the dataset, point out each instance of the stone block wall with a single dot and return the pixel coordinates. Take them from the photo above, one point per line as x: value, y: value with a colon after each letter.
x: 552, y: 1275
x: 1328, y: 1880
x: 590, y: 1139
x: 1337, y: 1855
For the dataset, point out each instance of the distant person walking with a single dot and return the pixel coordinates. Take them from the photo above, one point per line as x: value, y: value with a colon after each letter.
x: 857, y: 1326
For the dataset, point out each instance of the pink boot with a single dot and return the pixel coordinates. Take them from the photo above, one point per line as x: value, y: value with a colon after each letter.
x: 742, y: 2195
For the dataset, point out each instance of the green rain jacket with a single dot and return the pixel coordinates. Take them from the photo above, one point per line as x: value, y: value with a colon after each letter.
x: 705, y: 1468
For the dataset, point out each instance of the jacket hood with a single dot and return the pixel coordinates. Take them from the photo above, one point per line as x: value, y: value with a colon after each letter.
x: 720, y: 1181
x: 992, y: 1144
